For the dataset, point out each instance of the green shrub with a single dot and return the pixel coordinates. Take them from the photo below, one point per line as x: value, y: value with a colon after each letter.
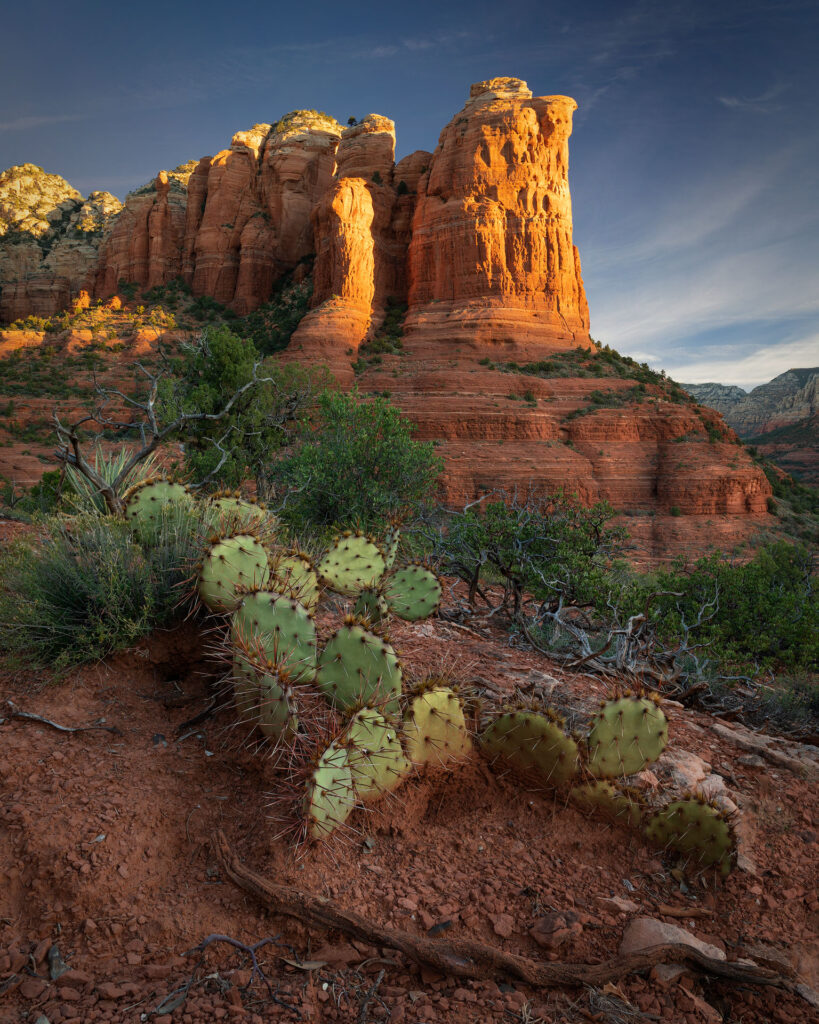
x: 266, y: 416
x: 86, y: 588
x: 768, y: 613
x: 675, y: 510
x: 359, y: 465
x: 550, y: 547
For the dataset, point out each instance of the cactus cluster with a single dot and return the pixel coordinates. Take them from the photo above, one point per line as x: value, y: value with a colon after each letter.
x: 628, y: 733
x: 346, y: 728
x: 336, y: 714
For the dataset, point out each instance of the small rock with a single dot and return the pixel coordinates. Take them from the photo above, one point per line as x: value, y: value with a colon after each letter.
x: 502, y: 924
x: 752, y: 760
x: 643, y: 932
x: 556, y: 930
x: 624, y: 906
x: 32, y: 988
x: 665, y: 975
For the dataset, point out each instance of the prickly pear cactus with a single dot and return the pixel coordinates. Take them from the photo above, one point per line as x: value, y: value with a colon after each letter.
x: 330, y: 794
x: 391, y: 539
x: 606, y: 800
x: 697, y: 830
x: 294, y: 576
x: 263, y: 694
x: 413, y: 592
x: 533, y: 745
x: 375, y: 755
x: 145, y: 501
x: 354, y: 563
x: 358, y: 667
x: 434, y: 727
x: 283, y: 626
x: 371, y: 606
x: 627, y: 734
x: 231, y: 563
x: 227, y: 509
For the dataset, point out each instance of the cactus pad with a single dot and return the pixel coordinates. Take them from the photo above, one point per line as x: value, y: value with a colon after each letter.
x: 533, y: 745
x: 284, y: 628
x: 330, y: 795
x: 391, y: 538
x: 145, y: 501
x: 627, y: 734
x: 413, y: 592
x: 263, y: 694
x: 434, y: 727
x: 354, y: 563
x: 375, y: 755
x: 294, y: 576
x: 230, y: 563
x: 695, y: 829
x: 371, y: 606
x: 606, y: 800
x: 359, y: 667
x: 231, y: 510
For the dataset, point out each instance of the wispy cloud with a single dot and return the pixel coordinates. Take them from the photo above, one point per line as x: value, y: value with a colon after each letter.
x: 749, y: 370
x: 762, y: 104
x: 20, y: 124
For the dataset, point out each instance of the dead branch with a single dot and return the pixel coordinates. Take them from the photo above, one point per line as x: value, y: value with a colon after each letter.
x: 464, y: 958
x: 15, y: 712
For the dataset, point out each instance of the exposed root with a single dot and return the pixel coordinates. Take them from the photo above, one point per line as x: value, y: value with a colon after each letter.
x: 464, y: 958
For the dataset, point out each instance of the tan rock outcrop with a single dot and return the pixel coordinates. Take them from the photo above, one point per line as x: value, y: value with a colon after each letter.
x: 49, y: 240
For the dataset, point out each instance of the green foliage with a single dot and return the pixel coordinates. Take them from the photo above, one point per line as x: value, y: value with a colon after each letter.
x: 768, y: 607
x: 548, y: 547
x: 271, y: 326
x: 86, y: 497
x: 87, y: 588
x: 262, y: 420
x: 360, y: 465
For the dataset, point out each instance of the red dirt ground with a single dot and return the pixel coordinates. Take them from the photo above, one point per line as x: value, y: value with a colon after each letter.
x: 104, y: 853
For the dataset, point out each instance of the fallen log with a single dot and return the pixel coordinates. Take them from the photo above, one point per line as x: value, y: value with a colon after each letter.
x: 464, y: 958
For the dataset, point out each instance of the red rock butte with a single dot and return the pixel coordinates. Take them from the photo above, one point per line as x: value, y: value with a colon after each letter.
x: 475, y: 241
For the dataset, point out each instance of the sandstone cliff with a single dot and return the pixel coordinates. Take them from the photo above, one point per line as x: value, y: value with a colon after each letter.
x: 491, y: 257
x: 477, y: 236
x: 50, y: 239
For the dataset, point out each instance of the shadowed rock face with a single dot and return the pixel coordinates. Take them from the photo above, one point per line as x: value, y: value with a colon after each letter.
x: 790, y: 398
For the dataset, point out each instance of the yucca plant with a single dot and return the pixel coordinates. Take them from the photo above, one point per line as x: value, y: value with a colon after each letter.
x: 85, y: 497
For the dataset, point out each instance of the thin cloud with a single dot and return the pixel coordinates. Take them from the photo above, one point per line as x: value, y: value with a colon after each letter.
x: 20, y: 124
x: 748, y: 371
x: 762, y: 104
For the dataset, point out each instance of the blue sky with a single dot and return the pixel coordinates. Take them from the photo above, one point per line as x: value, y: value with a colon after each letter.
x: 694, y: 159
